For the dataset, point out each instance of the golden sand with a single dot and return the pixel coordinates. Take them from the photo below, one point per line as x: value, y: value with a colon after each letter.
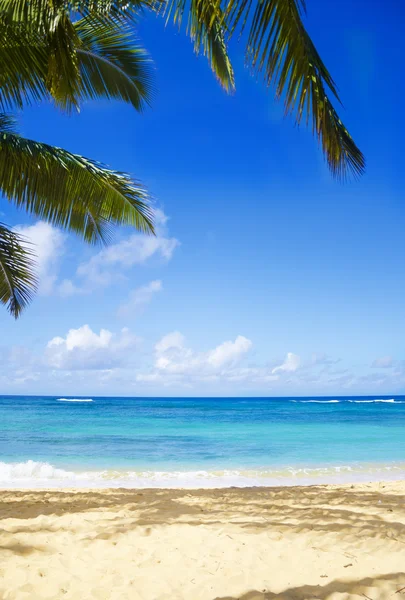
x: 319, y: 542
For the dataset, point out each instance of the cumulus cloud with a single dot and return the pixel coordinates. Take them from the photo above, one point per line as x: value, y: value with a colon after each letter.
x: 229, y: 351
x: 84, y: 360
x: 172, y: 340
x: 68, y: 288
x: 84, y: 349
x: 291, y: 363
x: 139, y: 298
x: 385, y: 362
x: 174, y: 359
x: 112, y: 262
x: 47, y: 243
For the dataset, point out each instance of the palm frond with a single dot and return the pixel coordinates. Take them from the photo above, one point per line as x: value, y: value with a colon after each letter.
x: 205, y: 27
x: 18, y: 282
x: 63, y: 77
x: 44, y: 45
x: 24, y: 72
x: 279, y: 47
x: 107, y: 62
x: 70, y: 191
x: 41, y: 36
x: 111, y: 63
x: 44, y: 14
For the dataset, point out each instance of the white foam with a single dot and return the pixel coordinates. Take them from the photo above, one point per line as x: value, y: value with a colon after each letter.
x: 390, y: 401
x: 362, y: 401
x: 320, y: 401
x: 37, y: 475
x: 31, y: 470
x: 74, y: 400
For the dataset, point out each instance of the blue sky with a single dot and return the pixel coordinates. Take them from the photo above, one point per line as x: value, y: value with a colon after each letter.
x: 267, y: 276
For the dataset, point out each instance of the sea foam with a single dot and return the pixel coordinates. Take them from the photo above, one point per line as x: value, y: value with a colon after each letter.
x: 74, y: 400
x: 318, y: 401
x: 42, y: 475
x: 390, y: 401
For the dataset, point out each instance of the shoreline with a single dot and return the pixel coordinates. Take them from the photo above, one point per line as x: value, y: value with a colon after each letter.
x: 379, y: 484
x: 327, y: 542
x: 43, y: 475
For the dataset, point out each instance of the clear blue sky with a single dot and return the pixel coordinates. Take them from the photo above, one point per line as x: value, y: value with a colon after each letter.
x: 267, y: 277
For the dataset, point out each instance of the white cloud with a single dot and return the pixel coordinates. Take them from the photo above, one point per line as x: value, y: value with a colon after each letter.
x: 385, y: 362
x: 68, y: 288
x: 139, y: 298
x: 172, y: 340
x: 102, y: 269
x: 229, y: 351
x: 47, y: 243
x: 83, y: 360
x: 84, y: 349
x: 291, y: 363
x: 174, y: 359
x: 82, y: 338
x: 109, y: 264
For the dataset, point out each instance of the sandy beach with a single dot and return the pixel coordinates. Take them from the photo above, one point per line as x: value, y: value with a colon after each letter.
x: 318, y: 542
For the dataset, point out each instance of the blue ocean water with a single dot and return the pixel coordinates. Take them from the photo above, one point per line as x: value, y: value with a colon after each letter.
x: 199, y: 442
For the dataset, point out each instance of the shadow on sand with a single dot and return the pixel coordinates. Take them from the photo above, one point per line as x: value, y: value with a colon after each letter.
x: 354, y: 513
x: 395, y: 583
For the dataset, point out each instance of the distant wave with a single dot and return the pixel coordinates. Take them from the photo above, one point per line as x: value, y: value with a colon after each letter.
x: 343, y: 400
x: 36, y: 475
x: 74, y: 400
x: 317, y: 401
x: 390, y: 401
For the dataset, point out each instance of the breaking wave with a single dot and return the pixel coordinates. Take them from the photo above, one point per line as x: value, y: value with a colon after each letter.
x: 344, y: 400
x: 33, y: 475
x: 320, y: 401
x: 74, y: 400
x: 390, y: 401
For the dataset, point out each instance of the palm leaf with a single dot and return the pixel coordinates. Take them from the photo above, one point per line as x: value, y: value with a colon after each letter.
x: 279, y: 48
x: 206, y: 30
x: 63, y: 76
x: 43, y: 29
x: 44, y: 47
x: 111, y: 63
x: 69, y: 191
x: 108, y: 63
x: 43, y: 15
x: 24, y: 72
x: 17, y: 276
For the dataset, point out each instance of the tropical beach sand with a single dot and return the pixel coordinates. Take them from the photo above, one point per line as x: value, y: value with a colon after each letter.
x: 325, y: 542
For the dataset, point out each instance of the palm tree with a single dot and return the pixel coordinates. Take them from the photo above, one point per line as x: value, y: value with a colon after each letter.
x: 70, y: 51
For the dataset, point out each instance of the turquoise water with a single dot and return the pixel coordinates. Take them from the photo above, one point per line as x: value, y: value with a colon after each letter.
x: 49, y: 441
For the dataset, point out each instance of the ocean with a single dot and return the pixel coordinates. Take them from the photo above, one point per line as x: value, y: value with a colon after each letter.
x: 48, y: 442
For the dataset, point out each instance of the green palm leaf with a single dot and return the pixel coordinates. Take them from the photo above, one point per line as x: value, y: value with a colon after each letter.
x: 67, y: 190
x: 107, y: 63
x: 279, y: 48
x: 111, y: 63
x: 44, y: 14
x: 51, y: 18
x: 205, y: 26
x: 17, y: 279
x: 24, y: 68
